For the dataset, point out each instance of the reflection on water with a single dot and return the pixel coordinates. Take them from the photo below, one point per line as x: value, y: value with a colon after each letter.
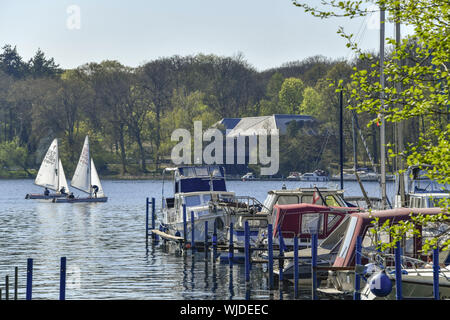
x: 105, y: 247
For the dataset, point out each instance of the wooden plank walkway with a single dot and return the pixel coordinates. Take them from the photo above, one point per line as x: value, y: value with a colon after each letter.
x: 166, y: 235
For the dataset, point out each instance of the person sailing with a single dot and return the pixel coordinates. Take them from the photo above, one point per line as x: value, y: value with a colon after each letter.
x: 63, y: 191
x: 46, y: 192
x: 95, y: 188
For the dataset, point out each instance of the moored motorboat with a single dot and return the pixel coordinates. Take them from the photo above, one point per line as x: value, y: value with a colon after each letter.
x: 362, y: 225
x: 195, y: 189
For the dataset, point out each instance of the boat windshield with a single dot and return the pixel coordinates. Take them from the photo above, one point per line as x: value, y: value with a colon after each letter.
x: 268, y: 203
x: 192, y: 201
x: 348, y: 237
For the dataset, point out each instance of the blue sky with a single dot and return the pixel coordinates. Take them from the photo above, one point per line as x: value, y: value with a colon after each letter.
x: 267, y: 32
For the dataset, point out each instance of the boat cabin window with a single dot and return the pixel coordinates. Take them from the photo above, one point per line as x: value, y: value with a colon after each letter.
x: 370, y: 238
x: 268, y: 203
x: 170, y: 202
x: 201, y: 171
x: 348, y: 237
x: 287, y: 200
x: 333, y: 219
x: 329, y: 199
x: 188, y: 172
x: 312, y: 223
x: 192, y: 201
x: 206, y: 198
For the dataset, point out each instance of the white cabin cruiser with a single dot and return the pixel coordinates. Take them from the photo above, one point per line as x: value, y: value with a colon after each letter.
x: 196, y: 188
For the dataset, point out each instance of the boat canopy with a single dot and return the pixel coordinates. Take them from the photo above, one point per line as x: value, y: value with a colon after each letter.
x: 361, y: 222
x: 304, y: 219
x: 202, y: 178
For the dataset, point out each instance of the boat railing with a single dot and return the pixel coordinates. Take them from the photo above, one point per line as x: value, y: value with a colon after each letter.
x: 240, y: 204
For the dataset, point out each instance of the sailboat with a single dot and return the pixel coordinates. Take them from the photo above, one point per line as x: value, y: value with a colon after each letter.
x: 86, y: 179
x: 51, y: 175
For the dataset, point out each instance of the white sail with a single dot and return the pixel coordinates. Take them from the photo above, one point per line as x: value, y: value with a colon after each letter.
x: 82, y: 177
x: 48, y: 172
x: 62, y: 178
x: 95, y: 180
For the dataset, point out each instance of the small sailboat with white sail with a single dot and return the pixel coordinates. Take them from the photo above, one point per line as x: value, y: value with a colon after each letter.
x: 86, y: 179
x: 51, y: 176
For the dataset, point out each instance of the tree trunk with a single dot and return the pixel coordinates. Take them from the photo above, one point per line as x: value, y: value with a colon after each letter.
x: 122, y: 149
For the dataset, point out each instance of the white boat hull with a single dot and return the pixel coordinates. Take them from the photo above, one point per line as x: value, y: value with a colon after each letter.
x: 42, y: 196
x: 77, y: 200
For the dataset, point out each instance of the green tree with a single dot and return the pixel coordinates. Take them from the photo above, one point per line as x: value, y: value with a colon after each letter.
x: 419, y: 89
x: 291, y: 95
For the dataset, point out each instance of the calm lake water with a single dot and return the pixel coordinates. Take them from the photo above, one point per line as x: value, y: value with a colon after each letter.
x: 105, y: 246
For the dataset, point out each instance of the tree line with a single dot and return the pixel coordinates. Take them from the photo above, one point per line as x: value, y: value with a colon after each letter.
x: 130, y: 113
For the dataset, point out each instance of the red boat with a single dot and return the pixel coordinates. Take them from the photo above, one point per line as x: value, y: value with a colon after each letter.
x: 304, y: 219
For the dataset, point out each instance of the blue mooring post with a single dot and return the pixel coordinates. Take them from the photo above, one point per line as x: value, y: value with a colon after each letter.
x: 184, y: 225
x: 247, y: 251
x: 281, y: 255
x: 192, y: 232
x: 295, y: 266
x: 398, y: 272
x: 270, y: 249
x: 146, y: 222
x: 29, y: 278
x: 314, y: 265
x: 206, y: 238
x: 62, y: 279
x: 357, y: 293
x: 156, y: 237
x: 230, y: 246
x: 436, y: 270
x: 214, y: 241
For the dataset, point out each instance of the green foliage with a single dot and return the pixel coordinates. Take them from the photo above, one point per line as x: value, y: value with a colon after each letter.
x: 291, y: 96
x: 13, y: 156
x: 416, y: 88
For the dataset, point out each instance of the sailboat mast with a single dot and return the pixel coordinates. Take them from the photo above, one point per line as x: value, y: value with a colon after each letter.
x: 90, y: 170
x: 57, y: 165
x: 382, y: 125
x: 400, y: 164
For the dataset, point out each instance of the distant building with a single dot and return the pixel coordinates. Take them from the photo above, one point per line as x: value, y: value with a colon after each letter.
x: 250, y: 126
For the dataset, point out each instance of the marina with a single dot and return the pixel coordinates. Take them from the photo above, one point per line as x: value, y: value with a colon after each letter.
x: 104, y: 244
x: 205, y: 177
